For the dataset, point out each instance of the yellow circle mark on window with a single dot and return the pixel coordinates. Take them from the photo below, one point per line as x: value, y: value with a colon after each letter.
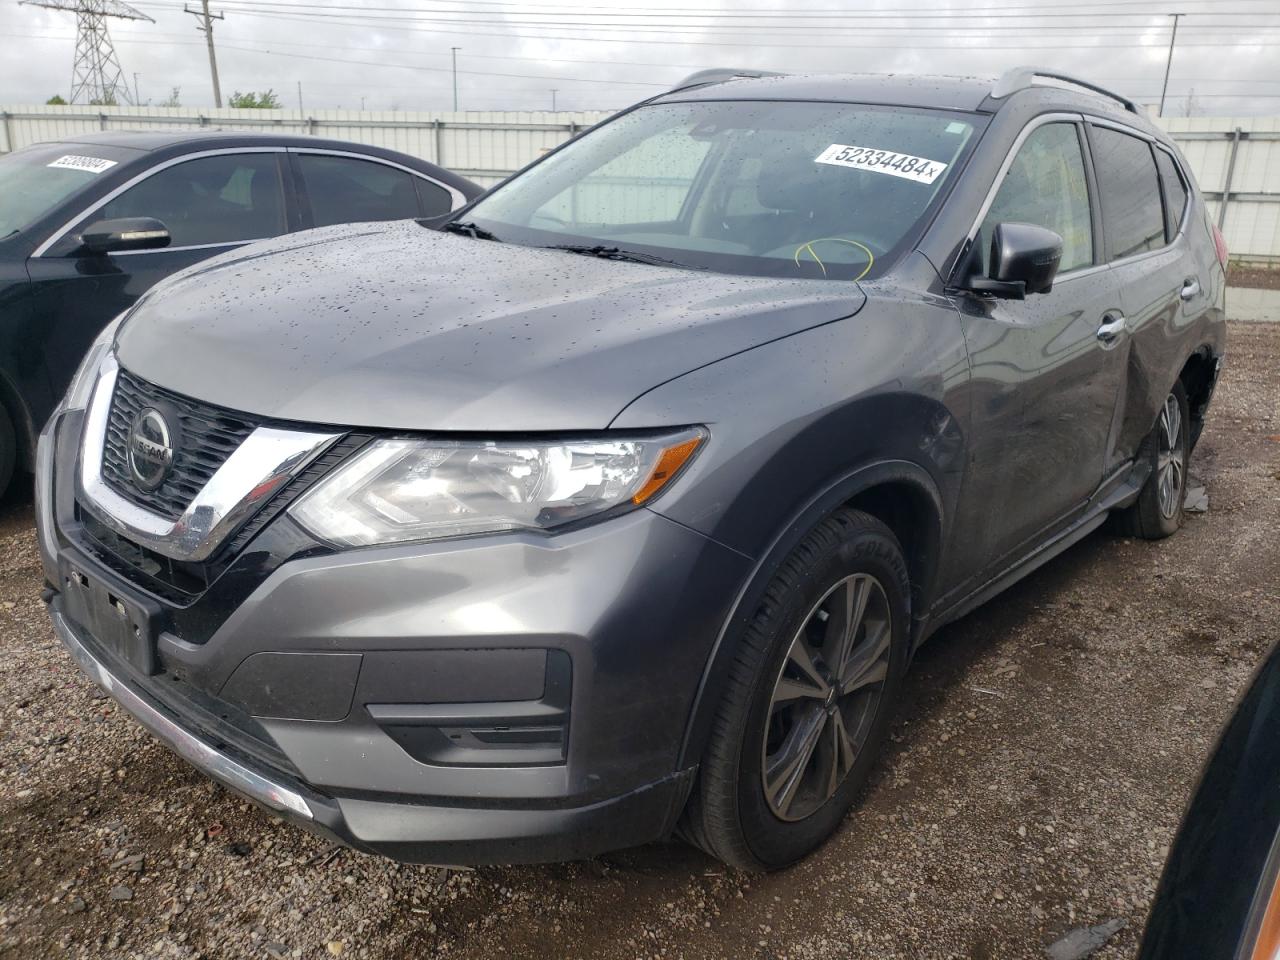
x: 807, y: 247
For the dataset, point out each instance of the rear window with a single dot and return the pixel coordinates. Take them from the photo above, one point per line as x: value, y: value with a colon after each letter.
x: 35, y: 180
x: 1175, y: 193
x: 1132, y: 215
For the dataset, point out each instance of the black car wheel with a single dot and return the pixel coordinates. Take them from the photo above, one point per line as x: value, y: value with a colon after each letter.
x: 808, y: 699
x: 1158, y: 513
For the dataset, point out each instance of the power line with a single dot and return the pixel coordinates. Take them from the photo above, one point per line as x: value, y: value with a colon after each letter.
x: 935, y: 13
x: 629, y: 37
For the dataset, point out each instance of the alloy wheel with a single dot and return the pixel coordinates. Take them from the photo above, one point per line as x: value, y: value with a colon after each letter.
x: 825, y: 697
x: 1170, y: 466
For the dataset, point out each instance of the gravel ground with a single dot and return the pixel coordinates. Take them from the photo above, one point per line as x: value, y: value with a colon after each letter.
x: 1260, y: 277
x: 1036, y: 775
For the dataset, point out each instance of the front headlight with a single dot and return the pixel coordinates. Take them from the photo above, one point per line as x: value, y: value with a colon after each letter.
x: 81, y: 388
x: 400, y: 489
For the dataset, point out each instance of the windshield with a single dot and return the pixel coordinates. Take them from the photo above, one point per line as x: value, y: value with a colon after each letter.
x: 772, y: 189
x: 35, y: 180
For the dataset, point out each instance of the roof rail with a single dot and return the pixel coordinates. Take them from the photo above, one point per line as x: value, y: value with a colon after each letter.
x: 1019, y: 78
x: 721, y: 75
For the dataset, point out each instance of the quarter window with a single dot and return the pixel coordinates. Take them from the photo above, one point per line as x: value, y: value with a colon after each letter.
x: 434, y: 198
x: 222, y: 199
x: 1132, y: 216
x: 1046, y: 186
x: 349, y: 190
x: 1175, y: 194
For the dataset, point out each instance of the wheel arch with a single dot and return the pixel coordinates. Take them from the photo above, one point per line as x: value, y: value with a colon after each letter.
x: 24, y: 428
x: 901, y: 494
x: 1199, y: 376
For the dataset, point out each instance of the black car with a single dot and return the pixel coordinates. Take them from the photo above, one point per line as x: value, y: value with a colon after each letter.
x: 74, y: 251
x: 1219, y: 896
x: 620, y: 503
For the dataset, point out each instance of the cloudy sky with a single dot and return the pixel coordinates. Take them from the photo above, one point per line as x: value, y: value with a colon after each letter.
x: 395, y: 54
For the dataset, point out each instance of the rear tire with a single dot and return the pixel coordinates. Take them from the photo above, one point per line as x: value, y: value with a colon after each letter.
x: 8, y: 450
x: 1158, y: 511
x: 819, y: 669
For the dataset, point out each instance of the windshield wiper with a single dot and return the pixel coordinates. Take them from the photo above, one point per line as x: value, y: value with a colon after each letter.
x: 617, y: 253
x: 470, y: 229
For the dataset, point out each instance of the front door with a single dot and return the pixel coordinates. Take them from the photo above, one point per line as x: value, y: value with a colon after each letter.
x: 1046, y: 370
x: 210, y: 204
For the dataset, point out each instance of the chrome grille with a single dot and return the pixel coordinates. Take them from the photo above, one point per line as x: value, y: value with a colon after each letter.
x: 209, y: 436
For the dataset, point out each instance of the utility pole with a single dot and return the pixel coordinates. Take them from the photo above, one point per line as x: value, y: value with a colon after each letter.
x: 1169, y: 63
x: 137, y: 99
x: 455, y: 77
x: 300, y: 110
x: 553, y: 99
x: 208, y: 18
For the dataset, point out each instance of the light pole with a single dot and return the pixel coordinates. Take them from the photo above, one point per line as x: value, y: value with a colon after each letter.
x: 455, y: 77
x: 1169, y: 63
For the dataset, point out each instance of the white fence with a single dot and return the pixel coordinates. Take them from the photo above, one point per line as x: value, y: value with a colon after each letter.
x: 1238, y: 158
x: 485, y: 147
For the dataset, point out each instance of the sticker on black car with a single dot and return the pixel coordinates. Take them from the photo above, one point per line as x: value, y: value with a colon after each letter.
x: 919, y: 169
x: 87, y: 164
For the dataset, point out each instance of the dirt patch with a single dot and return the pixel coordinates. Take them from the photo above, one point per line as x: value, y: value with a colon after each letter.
x: 1035, y: 777
x: 1259, y: 277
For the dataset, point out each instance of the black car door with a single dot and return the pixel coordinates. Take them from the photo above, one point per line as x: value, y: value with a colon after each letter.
x: 1166, y: 281
x: 1045, y: 370
x: 210, y: 202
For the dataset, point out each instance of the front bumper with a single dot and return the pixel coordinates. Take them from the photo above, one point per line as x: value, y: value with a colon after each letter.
x: 513, y: 698
x: 420, y: 833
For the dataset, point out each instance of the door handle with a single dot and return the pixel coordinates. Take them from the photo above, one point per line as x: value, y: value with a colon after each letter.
x: 1113, y: 324
x: 1190, y: 288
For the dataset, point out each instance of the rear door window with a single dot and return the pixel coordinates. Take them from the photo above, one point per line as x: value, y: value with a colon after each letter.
x: 351, y: 190
x: 1175, y: 193
x: 1128, y: 186
x: 222, y: 199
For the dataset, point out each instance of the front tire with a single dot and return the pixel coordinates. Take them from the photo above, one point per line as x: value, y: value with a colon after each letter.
x: 808, y: 699
x: 1158, y: 511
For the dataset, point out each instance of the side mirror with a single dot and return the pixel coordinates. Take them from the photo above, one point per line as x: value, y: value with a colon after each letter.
x: 126, y: 233
x: 1024, y: 259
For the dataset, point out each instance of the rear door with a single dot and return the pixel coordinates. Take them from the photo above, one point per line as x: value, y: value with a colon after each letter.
x: 1044, y: 382
x: 211, y: 203
x: 340, y: 187
x: 1164, y: 286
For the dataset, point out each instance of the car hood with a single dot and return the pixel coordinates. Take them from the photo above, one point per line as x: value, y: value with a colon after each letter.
x: 397, y: 326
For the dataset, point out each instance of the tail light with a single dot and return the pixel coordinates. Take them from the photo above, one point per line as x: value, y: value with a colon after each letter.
x: 1221, y: 245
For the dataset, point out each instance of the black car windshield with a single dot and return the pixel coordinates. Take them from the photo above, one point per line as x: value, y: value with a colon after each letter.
x: 35, y: 180
x: 795, y: 189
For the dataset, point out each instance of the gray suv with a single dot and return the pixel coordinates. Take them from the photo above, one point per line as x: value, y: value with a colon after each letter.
x: 617, y: 505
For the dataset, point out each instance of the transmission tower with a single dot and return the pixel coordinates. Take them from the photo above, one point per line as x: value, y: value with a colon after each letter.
x: 96, y: 76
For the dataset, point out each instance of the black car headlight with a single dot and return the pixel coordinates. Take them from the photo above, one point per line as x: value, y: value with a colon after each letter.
x: 397, y: 490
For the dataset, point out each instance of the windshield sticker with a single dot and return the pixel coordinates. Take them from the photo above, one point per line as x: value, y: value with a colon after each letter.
x: 894, y: 164
x: 87, y: 164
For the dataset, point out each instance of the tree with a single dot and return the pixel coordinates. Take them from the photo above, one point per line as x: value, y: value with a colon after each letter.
x: 107, y: 101
x: 55, y: 101
x: 174, y: 98
x: 266, y: 100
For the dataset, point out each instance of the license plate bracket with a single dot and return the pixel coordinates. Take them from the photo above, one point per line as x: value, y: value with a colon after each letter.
x: 118, y: 623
